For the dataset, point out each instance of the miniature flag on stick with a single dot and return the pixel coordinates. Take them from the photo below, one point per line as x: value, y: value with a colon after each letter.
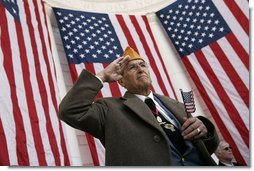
x: 188, y: 101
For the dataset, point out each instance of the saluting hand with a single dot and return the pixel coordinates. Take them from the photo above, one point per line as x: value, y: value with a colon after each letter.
x: 113, y: 72
x: 193, y: 128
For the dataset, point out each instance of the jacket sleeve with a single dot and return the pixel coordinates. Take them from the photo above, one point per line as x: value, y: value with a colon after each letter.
x: 211, y: 141
x: 78, y: 108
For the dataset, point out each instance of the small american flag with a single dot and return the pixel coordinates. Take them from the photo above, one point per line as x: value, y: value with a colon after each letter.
x: 188, y: 101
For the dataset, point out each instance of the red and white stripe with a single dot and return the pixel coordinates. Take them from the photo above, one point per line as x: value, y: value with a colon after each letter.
x: 139, y: 36
x: 221, y: 74
x: 29, y: 97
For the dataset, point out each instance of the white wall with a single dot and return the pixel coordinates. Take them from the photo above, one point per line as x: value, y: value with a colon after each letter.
x: 77, y: 144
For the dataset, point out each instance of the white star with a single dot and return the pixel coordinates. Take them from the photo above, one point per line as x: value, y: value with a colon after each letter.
x: 173, y: 35
x: 96, y: 43
x: 108, y: 43
x: 94, y: 55
x: 161, y: 16
x: 214, y: 29
x: 207, y: 8
x: 71, y: 15
x: 216, y: 21
x: 180, y: 49
x: 82, y: 55
x: 200, y: 40
x: 98, y: 51
x: 203, y: 34
x: 177, y: 43
x: 89, y: 38
x: 70, y: 33
x: 73, y: 22
x: 190, y: 45
x: 211, y: 35
x: 87, y: 51
x: 91, y: 47
x: 206, y: 28
x: 66, y: 37
x: 59, y: 13
x: 68, y: 46
x: 200, y: 7
x: 209, y: 21
x: 199, y: 27
x: 84, y: 42
x: 193, y: 39
x: 70, y: 55
x: 73, y: 42
x: 110, y: 51
x: 77, y: 38
x: 221, y: 29
x: 106, y: 56
x: 75, y: 50
x: 80, y: 46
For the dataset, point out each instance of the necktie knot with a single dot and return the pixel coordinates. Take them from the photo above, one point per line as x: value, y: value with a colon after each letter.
x: 151, y: 105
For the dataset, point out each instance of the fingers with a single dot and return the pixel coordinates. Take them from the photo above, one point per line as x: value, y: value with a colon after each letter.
x: 193, y: 128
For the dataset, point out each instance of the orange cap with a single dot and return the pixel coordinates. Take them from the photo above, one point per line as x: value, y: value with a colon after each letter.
x: 132, y: 53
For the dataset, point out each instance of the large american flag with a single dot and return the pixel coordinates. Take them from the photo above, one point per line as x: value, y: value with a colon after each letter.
x: 93, y: 40
x: 212, y: 38
x: 30, y: 131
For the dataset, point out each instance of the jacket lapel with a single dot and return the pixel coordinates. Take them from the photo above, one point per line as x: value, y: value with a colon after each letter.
x: 174, y: 107
x: 141, y: 109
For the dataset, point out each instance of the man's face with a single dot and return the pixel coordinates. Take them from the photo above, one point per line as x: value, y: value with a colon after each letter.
x: 136, y: 77
x: 226, y: 152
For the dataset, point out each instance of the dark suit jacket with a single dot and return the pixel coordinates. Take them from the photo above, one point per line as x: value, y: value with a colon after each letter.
x: 235, y: 164
x: 125, y: 125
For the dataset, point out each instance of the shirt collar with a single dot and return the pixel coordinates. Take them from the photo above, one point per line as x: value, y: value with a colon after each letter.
x: 141, y: 97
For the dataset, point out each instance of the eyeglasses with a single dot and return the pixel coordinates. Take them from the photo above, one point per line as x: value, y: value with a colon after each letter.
x: 135, y: 66
x: 227, y: 148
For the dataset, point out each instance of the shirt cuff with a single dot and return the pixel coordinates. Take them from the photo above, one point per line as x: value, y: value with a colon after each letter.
x: 99, y: 79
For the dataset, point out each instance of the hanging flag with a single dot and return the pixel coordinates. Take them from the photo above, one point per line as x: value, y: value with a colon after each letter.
x: 30, y: 131
x: 212, y: 39
x: 92, y: 40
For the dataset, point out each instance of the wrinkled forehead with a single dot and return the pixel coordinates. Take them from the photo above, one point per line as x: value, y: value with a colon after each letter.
x: 224, y: 145
x: 136, y: 61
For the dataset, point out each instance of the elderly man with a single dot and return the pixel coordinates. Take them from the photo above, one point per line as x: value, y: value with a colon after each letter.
x: 141, y: 128
x: 225, y: 155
